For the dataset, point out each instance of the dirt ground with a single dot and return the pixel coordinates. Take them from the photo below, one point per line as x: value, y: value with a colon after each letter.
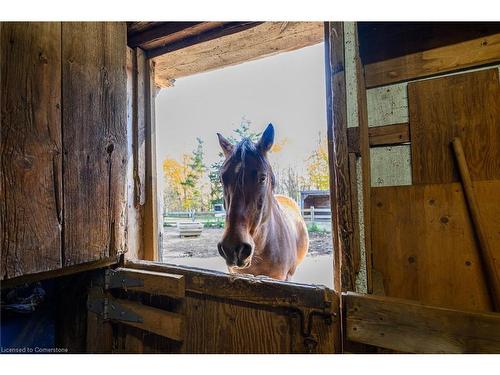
x: 205, y: 246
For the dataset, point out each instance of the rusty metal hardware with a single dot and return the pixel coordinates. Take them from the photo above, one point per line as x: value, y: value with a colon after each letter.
x: 110, y: 309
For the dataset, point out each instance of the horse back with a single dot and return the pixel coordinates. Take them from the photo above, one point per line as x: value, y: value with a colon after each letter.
x: 292, y: 209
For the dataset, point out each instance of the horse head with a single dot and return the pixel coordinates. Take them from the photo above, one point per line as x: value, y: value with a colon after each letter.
x: 248, y: 183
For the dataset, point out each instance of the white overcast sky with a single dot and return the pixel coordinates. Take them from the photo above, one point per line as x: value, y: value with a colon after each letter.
x: 287, y: 90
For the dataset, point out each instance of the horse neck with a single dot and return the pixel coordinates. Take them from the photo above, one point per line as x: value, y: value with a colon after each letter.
x: 263, y: 236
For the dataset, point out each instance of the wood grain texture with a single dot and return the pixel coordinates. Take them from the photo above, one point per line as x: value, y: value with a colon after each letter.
x: 161, y: 33
x: 490, y: 268
x: 134, y: 214
x: 139, y: 125
x: 262, y: 291
x: 225, y: 314
x: 465, y: 106
x: 430, y: 253
x: 364, y: 145
x: 94, y: 139
x: 152, y: 226
x: 158, y: 283
x: 448, y: 58
x: 31, y: 146
x: 158, y: 321
x: 223, y: 328
x: 263, y: 40
x: 389, y: 134
x: 407, y: 326
x: 342, y: 226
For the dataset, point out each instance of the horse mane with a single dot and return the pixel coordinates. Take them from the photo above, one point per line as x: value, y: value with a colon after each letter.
x: 241, y: 150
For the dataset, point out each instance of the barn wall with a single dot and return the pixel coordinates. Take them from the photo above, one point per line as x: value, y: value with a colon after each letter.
x: 432, y: 248
x: 64, y: 146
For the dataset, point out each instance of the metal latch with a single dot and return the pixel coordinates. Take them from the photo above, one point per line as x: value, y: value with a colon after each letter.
x: 111, y: 309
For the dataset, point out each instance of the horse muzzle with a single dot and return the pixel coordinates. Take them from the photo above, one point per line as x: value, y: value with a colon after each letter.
x: 236, y: 256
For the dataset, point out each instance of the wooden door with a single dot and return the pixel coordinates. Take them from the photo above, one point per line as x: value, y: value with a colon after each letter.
x: 187, y: 310
x: 63, y: 146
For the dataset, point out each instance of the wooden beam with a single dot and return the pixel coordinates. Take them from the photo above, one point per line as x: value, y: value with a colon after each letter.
x: 476, y: 52
x: 157, y: 283
x: 140, y: 109
x: 161, y: 322
x: 342, y: 226
x: 389, y: 134
x: 78, y: 268
x: 31, y: 187
x: 261, y: 291
x: 203, y: 33
x: 386, y: 135
x: 409, y: 326
x: 151, y: 246
x: 254, y: 42
x: 364, y: 148
x: 159, y: 34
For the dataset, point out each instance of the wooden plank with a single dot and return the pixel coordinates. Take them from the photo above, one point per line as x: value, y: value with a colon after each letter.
x: 389, y: 134
x: 386, y: 135
x: 139, y: 127
x: 448, y: 58
x: 94, y: 139
x: 431, y: 254
x: 77, y: 268
x: 99, y: 335
x: 408, y: 326
x: 385, y: 40
x: 151, y: 224
x: 465, y: 106
x: 134, y: 214
x: 364, y: 148
x: 157, y: 321
x: 261, y: 291
x: 31, y: 146
x: 338, y: 156
x: 259, y: 41
x: 353, y: 140
x: 203, y: 33
x: 157, y: 283
x: 490, y: 269
x: 158, y: 34
x: 353, y: 186
x: 71, y: 312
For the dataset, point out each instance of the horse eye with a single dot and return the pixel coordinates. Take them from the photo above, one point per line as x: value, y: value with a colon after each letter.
x: 262, y: 178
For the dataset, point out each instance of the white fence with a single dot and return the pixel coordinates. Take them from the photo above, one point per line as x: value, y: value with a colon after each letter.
x: 314, y: 215
x: 310, y: 215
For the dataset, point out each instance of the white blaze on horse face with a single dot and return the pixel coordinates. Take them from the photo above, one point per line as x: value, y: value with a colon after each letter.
x: 237, y: 168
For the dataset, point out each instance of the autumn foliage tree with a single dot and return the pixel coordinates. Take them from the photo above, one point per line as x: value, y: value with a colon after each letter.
x: 317, y: 166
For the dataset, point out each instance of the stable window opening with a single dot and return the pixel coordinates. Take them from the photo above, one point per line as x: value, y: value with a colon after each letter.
x: 239, y: 102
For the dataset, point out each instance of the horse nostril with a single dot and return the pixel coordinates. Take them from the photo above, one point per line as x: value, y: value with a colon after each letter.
x: 245, y: 251
x: 221, y: 250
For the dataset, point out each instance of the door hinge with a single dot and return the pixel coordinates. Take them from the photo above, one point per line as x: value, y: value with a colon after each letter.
x: 116, y: 279
x: 111, y: 309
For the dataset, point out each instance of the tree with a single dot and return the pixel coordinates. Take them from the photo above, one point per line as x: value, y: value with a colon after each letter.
x: 184, y: 183
x: 192, y: 183
x: 317, y: 165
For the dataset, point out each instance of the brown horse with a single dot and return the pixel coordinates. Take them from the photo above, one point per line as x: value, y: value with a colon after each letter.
x: 264, y: 234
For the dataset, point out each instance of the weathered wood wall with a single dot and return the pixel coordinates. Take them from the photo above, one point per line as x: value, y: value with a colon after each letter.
x: 64, y: 148
x: 430, y: 253
x: 31, y: 148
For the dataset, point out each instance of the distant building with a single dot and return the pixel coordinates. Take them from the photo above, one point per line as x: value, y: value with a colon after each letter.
x: 314, y: 198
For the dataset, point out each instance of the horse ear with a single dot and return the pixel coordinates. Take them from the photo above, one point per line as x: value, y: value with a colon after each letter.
x: 266, y: 141
x: 227, y: 147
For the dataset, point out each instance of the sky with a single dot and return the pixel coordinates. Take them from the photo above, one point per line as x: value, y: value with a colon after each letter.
x: 287, y: 90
